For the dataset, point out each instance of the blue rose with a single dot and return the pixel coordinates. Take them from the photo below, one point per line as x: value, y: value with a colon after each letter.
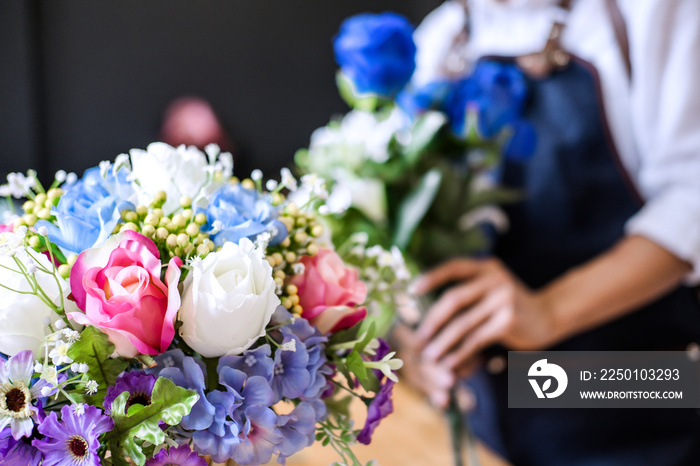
x: 242, y: 213
x: 88, y: 212
x: 496, y: 92
x: 376, y: 52
x: 414, y: 101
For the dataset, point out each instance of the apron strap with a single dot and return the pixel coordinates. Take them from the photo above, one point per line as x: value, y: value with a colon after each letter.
x: 620, y: 28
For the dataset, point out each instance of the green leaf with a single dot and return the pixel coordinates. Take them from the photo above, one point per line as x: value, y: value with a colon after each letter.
x: 347, y: 90
x: 369, y: 334
x: 423, y: 133
x: 339, y: 407
x: 169, y: 403
x: 356, y: 365
x: 415, y: 206
x: 95, y: 349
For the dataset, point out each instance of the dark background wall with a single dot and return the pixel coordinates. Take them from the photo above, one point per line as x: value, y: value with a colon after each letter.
x: 84, y: 80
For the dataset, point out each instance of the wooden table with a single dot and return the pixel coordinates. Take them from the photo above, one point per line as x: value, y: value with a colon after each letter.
x: 415, y: 434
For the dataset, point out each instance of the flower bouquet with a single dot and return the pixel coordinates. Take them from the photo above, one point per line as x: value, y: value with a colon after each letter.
x: 159, y: 311
x: 415, y: 166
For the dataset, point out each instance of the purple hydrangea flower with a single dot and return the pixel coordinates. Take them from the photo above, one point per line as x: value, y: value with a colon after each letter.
x: 298, y: 429
x: 310, y: 344
x: 74, y: 440
x: 260, y: 436
x: 252, y: 362
x: 180, y: 456
x: 17, y: 452
x: 138, y: 384
x: 187, y: 372
x: 17, y: 394
x: 221, y: 438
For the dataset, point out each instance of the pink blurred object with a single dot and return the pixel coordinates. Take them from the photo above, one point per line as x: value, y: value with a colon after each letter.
x: 193, y: 122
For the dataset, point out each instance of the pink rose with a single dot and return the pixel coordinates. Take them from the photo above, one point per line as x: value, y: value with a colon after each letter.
x: 329, y: 292
x: 118, y: 286
x: 6, y: 228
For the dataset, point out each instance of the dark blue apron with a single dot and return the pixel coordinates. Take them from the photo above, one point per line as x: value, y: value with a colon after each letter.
x: 578, y: 199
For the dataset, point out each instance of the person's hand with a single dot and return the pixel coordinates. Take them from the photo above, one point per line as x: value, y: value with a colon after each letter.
x: 487, y: 305
x: 433, y: 380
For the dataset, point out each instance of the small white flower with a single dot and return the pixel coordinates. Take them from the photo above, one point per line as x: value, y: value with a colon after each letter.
x: 298, y: 268
x: 372, y: 346
x: 358, y: 251
x: 61, y: 176
x: 71, y: 335
x: 46, y: 390
x: 42, y: 230
x: 31, y: 267
x: 256, y: 175
x: 212, y: 150
x: 50, y: 374
x: 38, y: 368
x: 59, y: 355
x: 250, y: 360
x: 271, y: 185
x: 217, y: 226
x: 71, y: 178
x: 262, y: 240
x: 105, y: 167
x: 19, y: 185
x: 288, y: 180
x: 79, y: 409
x: 60, y: 324
x: 75, y: 367
x: 91, y: 387
x: 83, y: 368
x: 360, y: 237
x: 290, y: 345
x: 46, y: 321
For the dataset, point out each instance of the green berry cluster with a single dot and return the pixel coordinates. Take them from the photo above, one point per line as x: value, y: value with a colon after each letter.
x: 303, y: 230
x: 175, y: 235
x: 39, y: 208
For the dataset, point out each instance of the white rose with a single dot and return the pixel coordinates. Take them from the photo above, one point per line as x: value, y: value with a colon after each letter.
x: 181, y: 171
x: 22, y: 316
x: 228, y: 300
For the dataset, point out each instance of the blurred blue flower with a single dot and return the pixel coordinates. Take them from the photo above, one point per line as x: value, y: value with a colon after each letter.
x: 237, y: 213
x: 88, y: 212
x: 415, y: 101
x: 376, y: 52
x: 495, y: 94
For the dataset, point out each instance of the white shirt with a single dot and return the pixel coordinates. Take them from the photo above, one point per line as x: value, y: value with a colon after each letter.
x: 654, y: 118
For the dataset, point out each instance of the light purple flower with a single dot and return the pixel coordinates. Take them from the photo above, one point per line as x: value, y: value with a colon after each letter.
x: 17, y: 452
x: 17, y: 394
x: 298, y: 429
x: 379, y: 408
x: 260, y: 436
x: 180, y: 456
x: 74, y: 440
x: 138, y: 384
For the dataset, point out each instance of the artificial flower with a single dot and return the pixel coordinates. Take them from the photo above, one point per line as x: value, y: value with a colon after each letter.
x: 329, y: 292
x: 119, y: 289
x: 228, y: 299
x: 88, y: 212
x: 17, y: 452
x: 138, y: 384
x: 74, y: 440
x: 298, y: 430
x: 376, y: 52
x: 181, y: 171
x: 177, y: 456
x: 17, y: 394
x: 235, y: 212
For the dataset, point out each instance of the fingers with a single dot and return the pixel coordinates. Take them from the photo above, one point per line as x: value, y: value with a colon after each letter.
x: 452, y: 302
x: 460, y: 328
x: 451, y: 271
x: 482, y: 337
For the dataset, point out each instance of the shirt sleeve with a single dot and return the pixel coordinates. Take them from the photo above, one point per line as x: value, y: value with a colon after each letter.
x: 664, y: 40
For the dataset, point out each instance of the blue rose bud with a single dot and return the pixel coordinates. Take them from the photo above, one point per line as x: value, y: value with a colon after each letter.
x: 376, y: 52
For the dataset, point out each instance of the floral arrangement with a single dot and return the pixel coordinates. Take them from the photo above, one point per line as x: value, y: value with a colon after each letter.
x: 159, y: 311
x: 416, y: 164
